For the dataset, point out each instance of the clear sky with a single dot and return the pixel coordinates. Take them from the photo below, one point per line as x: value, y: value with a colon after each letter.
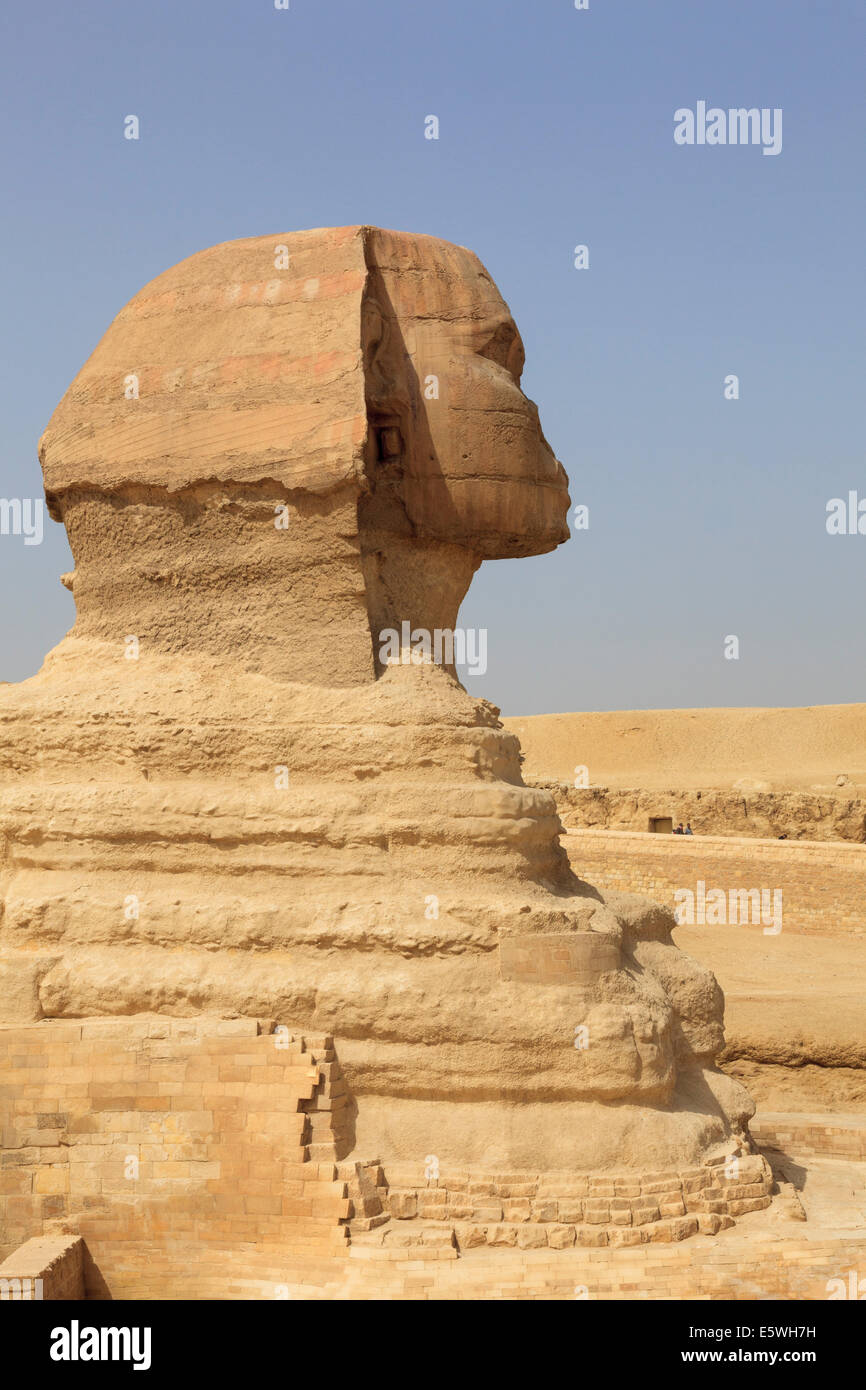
x: 707, y: 515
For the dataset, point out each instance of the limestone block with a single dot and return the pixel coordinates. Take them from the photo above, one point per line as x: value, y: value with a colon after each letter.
x: 590, y: 1236
x: 532, y: 1237
x: 471, y: 1236
x: 545, y: 1211
x: 625, y: 1235
x: 502, y: 1235
x: 403, y: 1205
x: 19, y: 986
x: 560, y: 1237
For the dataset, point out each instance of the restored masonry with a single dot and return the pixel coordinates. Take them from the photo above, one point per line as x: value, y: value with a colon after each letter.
x: 179, y: 1133
x: 237, y: 1191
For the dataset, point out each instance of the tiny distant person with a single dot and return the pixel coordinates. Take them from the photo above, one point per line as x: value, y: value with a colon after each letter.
x: 688, y: 830
x: 679, y: 830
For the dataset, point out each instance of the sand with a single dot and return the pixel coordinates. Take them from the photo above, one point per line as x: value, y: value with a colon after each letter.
x: 693, y: 749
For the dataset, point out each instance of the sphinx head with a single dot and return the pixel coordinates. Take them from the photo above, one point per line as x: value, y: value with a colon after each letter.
x: 329, y: 423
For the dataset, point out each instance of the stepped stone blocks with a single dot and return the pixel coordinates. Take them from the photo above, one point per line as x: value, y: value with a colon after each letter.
x: 530, y: 1211
x: 225, y: 796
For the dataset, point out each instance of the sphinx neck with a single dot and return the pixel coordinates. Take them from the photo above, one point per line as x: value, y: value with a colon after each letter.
x: 286, y: 585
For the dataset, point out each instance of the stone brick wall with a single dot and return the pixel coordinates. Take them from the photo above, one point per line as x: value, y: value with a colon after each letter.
x: 818, y: 1136
x: 179, y: 1132
x: 823, y: 884
x: 749, y: 1262
x: 758, y: 1266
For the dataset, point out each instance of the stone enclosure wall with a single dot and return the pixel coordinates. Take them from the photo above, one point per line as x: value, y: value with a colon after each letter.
x: 797, y: 815
x: 823, y: 885
x: 812, y: 1136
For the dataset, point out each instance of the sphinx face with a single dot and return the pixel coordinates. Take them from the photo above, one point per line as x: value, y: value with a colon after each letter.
x: 455, y: 436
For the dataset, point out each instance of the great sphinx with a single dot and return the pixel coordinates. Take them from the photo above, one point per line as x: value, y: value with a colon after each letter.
x: 217, y: 798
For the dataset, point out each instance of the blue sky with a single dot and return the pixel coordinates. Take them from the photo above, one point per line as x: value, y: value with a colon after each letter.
x: 707, y: 516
